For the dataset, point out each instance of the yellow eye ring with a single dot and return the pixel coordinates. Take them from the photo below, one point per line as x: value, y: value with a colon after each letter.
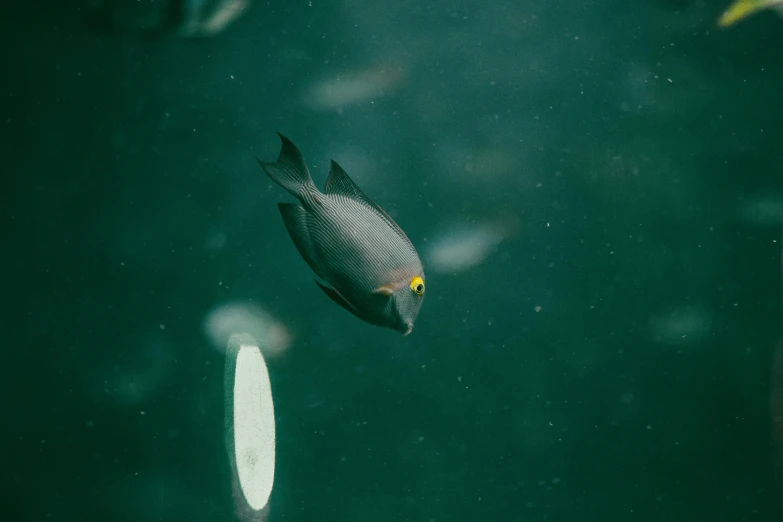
x: 417, y: 285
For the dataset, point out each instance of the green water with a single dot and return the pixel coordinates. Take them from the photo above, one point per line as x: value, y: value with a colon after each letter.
x: 605, y: 357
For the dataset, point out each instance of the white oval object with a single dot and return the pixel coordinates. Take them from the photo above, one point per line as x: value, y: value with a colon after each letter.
x: 250, y: 420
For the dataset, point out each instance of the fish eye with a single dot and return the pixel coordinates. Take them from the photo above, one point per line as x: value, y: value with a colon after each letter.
x: 417, y: 285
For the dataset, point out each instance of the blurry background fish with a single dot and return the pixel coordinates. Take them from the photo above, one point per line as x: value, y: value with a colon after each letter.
x: 743, y: 8
x: 189, y: 18
x: 241, y: 317
x: 459, y: 247
x: 354, y: 86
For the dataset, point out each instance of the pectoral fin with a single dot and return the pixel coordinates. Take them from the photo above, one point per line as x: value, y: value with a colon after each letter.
x: 388, y: 289
x: 384, y: 290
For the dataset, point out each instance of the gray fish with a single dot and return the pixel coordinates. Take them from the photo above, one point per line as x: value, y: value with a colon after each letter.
x: 367, y: 263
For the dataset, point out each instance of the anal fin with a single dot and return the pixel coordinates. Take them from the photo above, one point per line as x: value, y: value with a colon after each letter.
x: 335, y: 296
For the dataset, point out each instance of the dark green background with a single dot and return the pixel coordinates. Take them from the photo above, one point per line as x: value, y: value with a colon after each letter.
x: 639, y: 200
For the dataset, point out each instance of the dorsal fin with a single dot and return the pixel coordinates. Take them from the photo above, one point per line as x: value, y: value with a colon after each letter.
x: 338, y: 183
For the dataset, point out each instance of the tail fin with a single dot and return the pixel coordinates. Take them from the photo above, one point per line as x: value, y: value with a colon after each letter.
x: 290, y: 170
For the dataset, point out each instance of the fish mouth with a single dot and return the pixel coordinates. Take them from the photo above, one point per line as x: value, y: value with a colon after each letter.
x: 405, y: 328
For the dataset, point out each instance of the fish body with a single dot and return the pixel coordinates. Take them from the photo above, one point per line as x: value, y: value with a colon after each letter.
x: 365, y: 261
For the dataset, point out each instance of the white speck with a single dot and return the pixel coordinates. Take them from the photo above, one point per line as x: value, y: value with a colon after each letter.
x: 232, y: 76
x: 459, y: 379
x: 670, y: 80
x: 537, y: 308
x: 142, y: 412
